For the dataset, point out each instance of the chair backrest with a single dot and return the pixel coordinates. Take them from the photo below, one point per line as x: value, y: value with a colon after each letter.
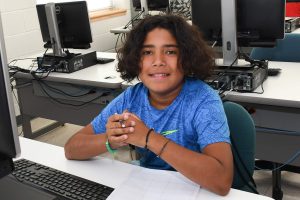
x: 286, y: 50
x: 242, y: 135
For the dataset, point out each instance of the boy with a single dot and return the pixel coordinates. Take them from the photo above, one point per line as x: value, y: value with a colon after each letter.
x: 174, y: 119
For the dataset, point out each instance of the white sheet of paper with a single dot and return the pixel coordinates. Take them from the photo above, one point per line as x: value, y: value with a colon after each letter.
x: 148, y: 184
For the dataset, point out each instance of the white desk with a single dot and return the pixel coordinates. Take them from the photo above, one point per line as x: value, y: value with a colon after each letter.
x: 105, y: 171
x: 296, y: 31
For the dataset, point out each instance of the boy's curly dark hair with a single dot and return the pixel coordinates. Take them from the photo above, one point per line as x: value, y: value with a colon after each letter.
x: 196, y: 58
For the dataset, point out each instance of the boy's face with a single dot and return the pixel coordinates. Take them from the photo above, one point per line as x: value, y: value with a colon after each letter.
x: 160, y: 70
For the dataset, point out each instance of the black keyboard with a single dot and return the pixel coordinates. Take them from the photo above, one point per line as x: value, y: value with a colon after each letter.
x: 59, y: 183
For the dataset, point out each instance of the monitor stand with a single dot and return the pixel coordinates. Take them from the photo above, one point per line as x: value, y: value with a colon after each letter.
x: 10, y: 188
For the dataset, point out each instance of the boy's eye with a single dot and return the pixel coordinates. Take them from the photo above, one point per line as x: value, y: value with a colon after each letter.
x: 146, y: 52
x: 171, y: 52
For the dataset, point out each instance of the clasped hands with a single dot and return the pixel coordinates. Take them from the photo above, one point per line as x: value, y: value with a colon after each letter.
x: 126, y: 128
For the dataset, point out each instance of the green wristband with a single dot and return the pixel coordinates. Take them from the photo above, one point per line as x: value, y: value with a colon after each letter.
x: 109, y: 149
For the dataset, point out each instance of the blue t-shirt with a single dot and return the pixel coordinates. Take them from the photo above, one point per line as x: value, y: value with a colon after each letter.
x: 195, y: 118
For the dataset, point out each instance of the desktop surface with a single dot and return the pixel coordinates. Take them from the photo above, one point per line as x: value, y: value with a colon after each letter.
x: 121, y: 175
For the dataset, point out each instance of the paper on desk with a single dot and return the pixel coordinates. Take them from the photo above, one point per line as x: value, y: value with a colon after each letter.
x: 148, y: 184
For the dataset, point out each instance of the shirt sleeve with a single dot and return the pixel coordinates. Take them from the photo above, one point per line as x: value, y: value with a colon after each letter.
x: 117, y: 105
x: 211, y: 123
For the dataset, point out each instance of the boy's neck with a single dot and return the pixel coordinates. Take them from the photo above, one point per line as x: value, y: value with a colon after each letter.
x: 161, y: 101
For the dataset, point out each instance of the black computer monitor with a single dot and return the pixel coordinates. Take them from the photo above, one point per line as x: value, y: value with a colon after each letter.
x: 9, y: 141
x: 73, y: 24
x: 158, y: 5
x: 259, y: 22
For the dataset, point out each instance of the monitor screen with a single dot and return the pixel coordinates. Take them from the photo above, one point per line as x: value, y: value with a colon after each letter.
x: 73, y: 24
x: 9, y: 141
x: 159, y: 5
x: 259, y: 22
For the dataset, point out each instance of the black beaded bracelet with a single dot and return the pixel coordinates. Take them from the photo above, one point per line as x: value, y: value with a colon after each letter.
x: 147, y: 137
x: 163, y: 148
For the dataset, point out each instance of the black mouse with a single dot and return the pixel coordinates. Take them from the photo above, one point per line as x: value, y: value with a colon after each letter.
x: 273, y: 71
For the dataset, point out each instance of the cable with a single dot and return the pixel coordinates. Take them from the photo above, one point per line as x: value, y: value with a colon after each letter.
x: 41, y: 63
x: 70, y: 104
x: 133, y: 19
x: 259, y: 63
x: 262, y: 89
x: 236, y: 58
x: 34, y: 75
x: 290, y: 160
x: 48, y: 71
x: 280, y: 131
x: 223, y: 88
x: 213, y: 45
x: 63, y: 92
x: 16, y: 60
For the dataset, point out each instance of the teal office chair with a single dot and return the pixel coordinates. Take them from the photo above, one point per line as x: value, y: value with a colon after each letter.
x: 242, y: 135
x: 286, y: 50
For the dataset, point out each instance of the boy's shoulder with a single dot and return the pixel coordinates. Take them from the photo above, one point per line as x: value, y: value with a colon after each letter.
x: 137, y: 90
x: 198, y: 88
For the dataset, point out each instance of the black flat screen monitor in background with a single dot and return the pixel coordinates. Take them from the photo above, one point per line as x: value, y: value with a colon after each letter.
x: 9, y: 141
x: 259, y: 22
x: 73, y: 24
x: 158, y: 5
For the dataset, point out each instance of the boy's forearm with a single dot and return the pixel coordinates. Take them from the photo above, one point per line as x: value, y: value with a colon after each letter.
x: 82, y: 147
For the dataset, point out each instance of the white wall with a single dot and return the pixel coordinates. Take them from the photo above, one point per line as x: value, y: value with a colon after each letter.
x: 22, y: 33
x: 103, y: 39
